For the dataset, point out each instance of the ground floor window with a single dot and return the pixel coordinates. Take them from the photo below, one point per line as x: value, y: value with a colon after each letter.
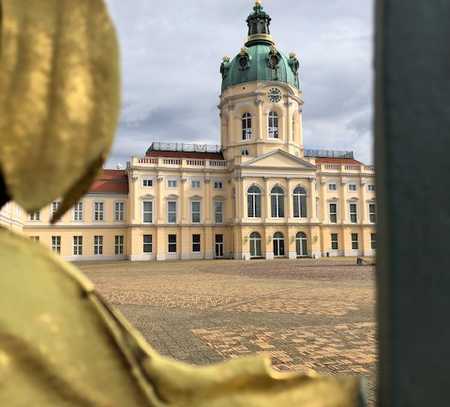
x: 355, y: 241
x: 278, y: 244
x: 78, y: 245
x: 373, y: 241
x: 56, y: 244
x: 98, y: 245
x: 34, y: 238
x: 196, y: 246
x: 255, y: 245
x: 147, y: 243
x: 172, y: 248
x: 118, y: 245
x: 219, y: 246
x: 334, y: 241
x: 301, y: 244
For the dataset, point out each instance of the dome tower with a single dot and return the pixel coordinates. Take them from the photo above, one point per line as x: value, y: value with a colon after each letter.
x: 261, y: 100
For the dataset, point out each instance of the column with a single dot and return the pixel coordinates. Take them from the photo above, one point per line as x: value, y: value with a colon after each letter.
x: 207, y: 201
x: 268, y: 243
x: 208, y: 239
x: 134, y: 200
x: 343, y: 203
x: 159, y: 201
x: 161, y: 244
x: 183, y: 203
x: 312, y: 201
x: 290, y: 243
x: 363, y: 206
x: 259, y: 111
x: 237, y: 197
x: 185, y: 243
x: 266, y: 199
x: 288, y: 201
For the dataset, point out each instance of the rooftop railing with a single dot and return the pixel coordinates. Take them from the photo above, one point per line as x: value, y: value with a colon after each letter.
x: 329, y: 154
x: 186, y: 148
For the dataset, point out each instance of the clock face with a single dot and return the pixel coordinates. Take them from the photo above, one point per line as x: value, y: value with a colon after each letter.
x: 274, y: 95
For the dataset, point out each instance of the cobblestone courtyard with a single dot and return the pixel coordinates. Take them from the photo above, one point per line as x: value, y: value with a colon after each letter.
x: 308, y: 314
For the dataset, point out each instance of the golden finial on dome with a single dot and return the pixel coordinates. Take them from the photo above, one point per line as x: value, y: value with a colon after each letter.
x: 258, y: 2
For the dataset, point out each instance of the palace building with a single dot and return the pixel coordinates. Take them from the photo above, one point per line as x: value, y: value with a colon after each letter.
x: 259, y: 195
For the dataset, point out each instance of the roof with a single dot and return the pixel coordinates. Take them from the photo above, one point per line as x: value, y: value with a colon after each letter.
x: 186, y: 154
x: 110, y: 182
x: 338, y: 161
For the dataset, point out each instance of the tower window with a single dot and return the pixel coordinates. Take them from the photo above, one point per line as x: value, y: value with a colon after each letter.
x: 273, y: 125
x: 246, y: 126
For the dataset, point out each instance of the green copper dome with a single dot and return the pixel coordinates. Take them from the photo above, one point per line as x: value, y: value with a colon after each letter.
x: 259, y: 60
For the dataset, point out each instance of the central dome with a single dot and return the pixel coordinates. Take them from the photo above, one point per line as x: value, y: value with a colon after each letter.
x: 259, y: 60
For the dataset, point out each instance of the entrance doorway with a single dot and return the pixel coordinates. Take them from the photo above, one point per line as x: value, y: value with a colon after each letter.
x: 278, y: 244
x: 255, y: 245
x: 219, y: 246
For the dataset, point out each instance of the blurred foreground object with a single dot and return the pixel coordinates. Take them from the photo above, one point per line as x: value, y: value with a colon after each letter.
x: 60, y: 344
x: 59, y: 98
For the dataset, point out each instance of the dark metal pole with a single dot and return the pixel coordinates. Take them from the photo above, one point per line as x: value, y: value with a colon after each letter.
x: 413, y: 172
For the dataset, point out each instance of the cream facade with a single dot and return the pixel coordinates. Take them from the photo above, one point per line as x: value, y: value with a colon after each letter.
x: 260, y: 194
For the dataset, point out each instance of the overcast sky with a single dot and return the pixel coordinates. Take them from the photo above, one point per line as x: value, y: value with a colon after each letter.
x: 172, y: 50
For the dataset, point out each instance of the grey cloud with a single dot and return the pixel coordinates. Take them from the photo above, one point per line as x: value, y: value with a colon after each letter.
x: 171, y: 52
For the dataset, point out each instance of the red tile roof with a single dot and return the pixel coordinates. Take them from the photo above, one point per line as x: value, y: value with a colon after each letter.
x: 338, y: 161
x: 185, y: 154
x: 110, y: 181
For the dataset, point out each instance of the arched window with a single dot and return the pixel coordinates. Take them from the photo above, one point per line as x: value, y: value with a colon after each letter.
x: 254, y: 202
x: 255, y: 245
x: 299, y: 203
x: 301, y: 243
x: 277, y: 201
x: 278, y: 244
x: 273, y: 125
x: 246, y: 126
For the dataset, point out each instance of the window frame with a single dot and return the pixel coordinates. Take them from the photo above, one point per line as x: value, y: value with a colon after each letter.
x: 372, y: 214
x: 332, y: 186
x: 198, y: 212
x: 277, y: 211
x: 56, y: 244
x: 78, y: 212
x: 98, y: 245
x: 198, y: 184
x: 373, y: 241
x: 353, y: 215
x: 273, y: 125
x: 147, y: 212
x: 55, y: 206
x: 334, y: 243
x: 352, y: 187
x: 246, y: 126
x: 169, y: 212
x: 77, y: 245
x: 196, y: 245
x: 255, y: 242
x: 300, y: 203
x: 172, y: 180
x: 147, y: 244
x: 218, y: 184
x: 98, y: 211
x: 169, y: 244
x: 333, y: 215
x: 253, y: 200
x: 119, y: 245
x: 35, y: 216
x: 147, y: 180
x: 218, y: 202
x: 355, y: 242
x: 121, y: 212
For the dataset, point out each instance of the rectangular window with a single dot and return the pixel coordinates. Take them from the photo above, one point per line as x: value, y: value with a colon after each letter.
x: 332, y: 187
x: 333, y: 213
x: 55, y: 207
x: 78, y: 212
x: 147, y: 211
x: 34, y: 238
x: 372, y: 213
x: 196, y: 246
x: 334, y: 241
x: 371, y: 187
x: 218, y: 211
x: 195, y: 211
x: 98, y: 245
x: 98, y: 211
x: 35, y: 216
x: 353, y: 213
x: 352, y: 187
x: 56, y: 244
x: 195, y: 184
x: 172, y: 239
x: 172, y: 183
x: 355, y: 242
x: 78, y: 245
x: 373, y: 241
x: 119, y: 211
x: 147, y: 183
x: 147, y: 244
x: 118, y: 245
x: 218, y: 185
x: 172, y: 212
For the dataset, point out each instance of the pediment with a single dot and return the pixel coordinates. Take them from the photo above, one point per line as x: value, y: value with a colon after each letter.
x: 279, y: 159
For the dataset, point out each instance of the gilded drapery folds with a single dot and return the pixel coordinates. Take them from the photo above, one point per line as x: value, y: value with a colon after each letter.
x: 59, y: 98
x: 60, y: 343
